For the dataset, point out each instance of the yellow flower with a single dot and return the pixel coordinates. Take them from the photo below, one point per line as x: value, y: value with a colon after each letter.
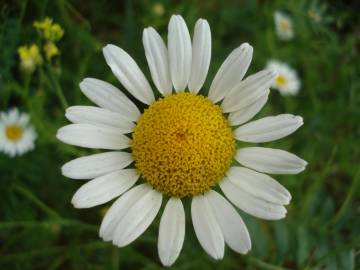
x: 30, y: 57
x: 313, y: 14
x: 51, y: 50
x: 45, y: 24
x: 48, y: 30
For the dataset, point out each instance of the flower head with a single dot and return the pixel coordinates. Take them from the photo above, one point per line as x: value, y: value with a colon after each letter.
x: 284, y: 26
x: 181, y: 146
x: 17, y: 135
x: 30, y: 57
x: 287, y: 81
x: 50, y: 31
x: 51, y: 50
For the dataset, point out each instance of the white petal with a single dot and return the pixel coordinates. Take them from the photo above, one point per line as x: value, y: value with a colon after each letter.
x: 157, y: 58
x: 242, y: 116
x: 109, y: 97
x: 171, y: 232
x: 119, y: 208
x: 104, y: 188
x: 268, y: 128
x: 269, y: 160
x: 248, y: 91
x: 137, y: 218
x: 201, y: 55
x: 259, y: 185
x: 98, y: 116
x: 91, y: 136
x: 233, y: 227
x: 251, y: 204
x: 24, y: 119
x: 179, y: 47
x: 128, y: 73
x: 96, y: 165
x: 207, y: 228
x: 231, y: 72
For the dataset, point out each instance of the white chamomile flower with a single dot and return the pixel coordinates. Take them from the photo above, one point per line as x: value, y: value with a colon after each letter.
x: 17, y: 135
x: 284, y: 26
x: 181, y: 146
x: 287, y: 80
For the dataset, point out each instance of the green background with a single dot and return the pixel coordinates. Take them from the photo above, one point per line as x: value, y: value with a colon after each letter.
x: 40, y: 229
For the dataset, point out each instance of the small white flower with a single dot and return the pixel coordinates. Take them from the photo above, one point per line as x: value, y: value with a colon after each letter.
x: 17, y: 135
x: 287, y: 81
x: 284, y: 26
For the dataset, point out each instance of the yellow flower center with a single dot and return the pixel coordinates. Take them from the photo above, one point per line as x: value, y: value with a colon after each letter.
x: 182, y: 145
x: 284, y: 25
x: 14, y: 133
x: 280, y: 80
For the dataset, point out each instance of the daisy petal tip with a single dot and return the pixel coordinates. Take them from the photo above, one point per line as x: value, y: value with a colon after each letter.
x: 305, y: 163
x: 299, y: 119
x: 147, y: 31
x: 106, y: 238
x: 82, y: 83
x: 218, y: 256
x: 203, y: 22
x: 103, y: 235
x: 246, y: 47
x: 64, y: 170
x: 287, y: 202
x: 59, y: 134
x: 108, y: 47
x: 167, y: 262
x: 173, y: 19
x: 76, y: 203
x: 107, y: 52
x: 116, y: 243
x: 248, y: 250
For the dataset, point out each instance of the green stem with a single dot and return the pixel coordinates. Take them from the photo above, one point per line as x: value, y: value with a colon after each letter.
x: 46, y: 224
x: 348, y: 198
x: 265, y: 265
x: 315, y: 186
x: 52, y: 213
x: 30, y: 254
x: 335, y: 251
x: 58, y: 90
x: 25, y: 95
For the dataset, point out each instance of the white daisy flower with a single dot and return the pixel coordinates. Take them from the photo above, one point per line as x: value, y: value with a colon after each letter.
x: 287, y: 80
x: 283, y: 25
x: 17, y: 135
x: 181, y: 146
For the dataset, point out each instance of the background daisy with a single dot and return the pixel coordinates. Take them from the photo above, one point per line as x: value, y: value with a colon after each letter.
x: 17, y: 135
x: 283, y: 26
x: 287, y: 80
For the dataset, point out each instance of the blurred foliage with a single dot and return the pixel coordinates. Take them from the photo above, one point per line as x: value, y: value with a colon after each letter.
x: 39, y: 229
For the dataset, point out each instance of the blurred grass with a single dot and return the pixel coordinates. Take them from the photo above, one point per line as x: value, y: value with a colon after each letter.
x: 39, y: 229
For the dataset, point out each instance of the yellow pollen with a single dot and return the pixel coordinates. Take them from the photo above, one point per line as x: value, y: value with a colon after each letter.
x: 280, y: 80
x: 182, y: 145
x: 13, y: 133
